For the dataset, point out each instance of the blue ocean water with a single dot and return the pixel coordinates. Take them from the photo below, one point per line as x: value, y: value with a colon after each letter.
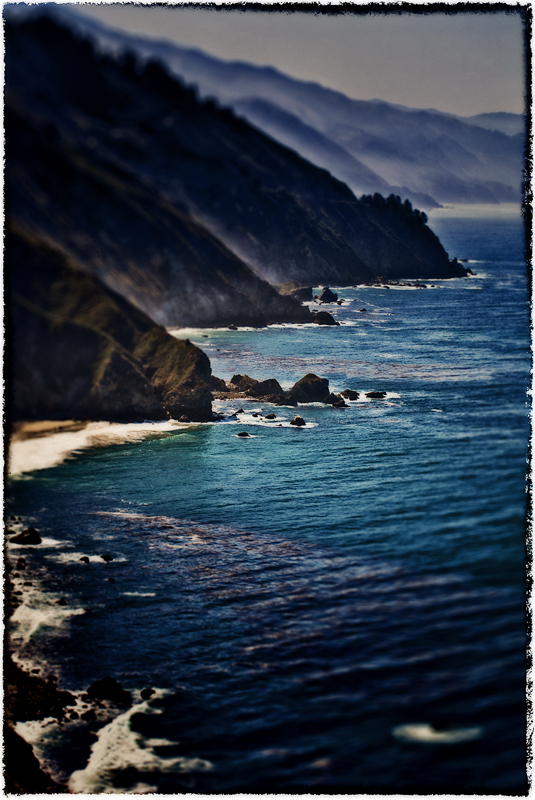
x: 339, y: 607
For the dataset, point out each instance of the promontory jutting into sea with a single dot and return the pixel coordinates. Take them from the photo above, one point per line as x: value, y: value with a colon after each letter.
x: 267, y: 361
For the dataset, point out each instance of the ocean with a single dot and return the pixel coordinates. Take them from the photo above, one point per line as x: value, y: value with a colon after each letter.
x: 327, y: 609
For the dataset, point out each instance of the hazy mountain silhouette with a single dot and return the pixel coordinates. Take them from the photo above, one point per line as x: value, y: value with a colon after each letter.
x: 425, y: 155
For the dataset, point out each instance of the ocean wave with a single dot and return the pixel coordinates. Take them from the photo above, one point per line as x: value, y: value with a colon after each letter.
x: 426, y: 734
x: 119, y: 748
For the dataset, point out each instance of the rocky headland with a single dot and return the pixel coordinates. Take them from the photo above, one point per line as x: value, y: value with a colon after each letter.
x: 78, y: 350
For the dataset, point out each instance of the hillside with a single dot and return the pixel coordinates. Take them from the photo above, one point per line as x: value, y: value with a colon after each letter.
x: 75, y: 349
x: 171, y: 201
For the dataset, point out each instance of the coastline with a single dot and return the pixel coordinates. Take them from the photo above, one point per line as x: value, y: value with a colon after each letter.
x: 47, y: 443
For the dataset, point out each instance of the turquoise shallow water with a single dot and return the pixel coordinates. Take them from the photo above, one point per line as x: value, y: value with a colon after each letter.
x: 306, y: 594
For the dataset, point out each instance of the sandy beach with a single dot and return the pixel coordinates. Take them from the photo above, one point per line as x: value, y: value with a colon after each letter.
x: 46, y: 443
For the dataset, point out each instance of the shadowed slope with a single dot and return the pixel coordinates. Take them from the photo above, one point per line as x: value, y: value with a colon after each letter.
x: 78, y: 350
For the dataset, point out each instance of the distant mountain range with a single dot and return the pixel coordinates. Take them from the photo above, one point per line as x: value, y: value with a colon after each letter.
x: 427, y: 156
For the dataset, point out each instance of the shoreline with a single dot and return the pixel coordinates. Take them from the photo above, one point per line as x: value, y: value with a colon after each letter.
x: 39, y: 698
x: 42, y: 444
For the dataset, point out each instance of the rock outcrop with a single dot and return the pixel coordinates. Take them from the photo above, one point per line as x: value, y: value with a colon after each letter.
x: 327, y: 296
x: 310, y: 389
x: 323, y: 318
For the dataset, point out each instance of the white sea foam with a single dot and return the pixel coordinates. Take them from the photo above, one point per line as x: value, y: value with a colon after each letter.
x: 53, y: 448
x: 119, y: 747
x: 426, y: 734
x: 37, y: 611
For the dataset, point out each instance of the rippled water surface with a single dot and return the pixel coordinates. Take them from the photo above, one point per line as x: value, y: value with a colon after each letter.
x: 335, y: 606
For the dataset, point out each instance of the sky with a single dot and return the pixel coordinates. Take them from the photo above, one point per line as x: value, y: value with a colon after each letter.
x: 462, y: 63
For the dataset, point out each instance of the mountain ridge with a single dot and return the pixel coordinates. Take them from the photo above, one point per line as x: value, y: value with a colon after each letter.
x: 434, y: 183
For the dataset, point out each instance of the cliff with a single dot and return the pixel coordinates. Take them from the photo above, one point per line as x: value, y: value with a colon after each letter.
x: 77, y: 349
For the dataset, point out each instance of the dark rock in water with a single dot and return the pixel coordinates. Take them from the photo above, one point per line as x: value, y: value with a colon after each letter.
x: 184, y: 418
x: 243, y: 382
x: 107, y: 557
x: 243, y: 434
x: 327, y: 296
x: 331, y: 398
x: 323, y: 318
x: 284, y: 399
x: 256, y: 414
x: 265, y: 388
x: 89, y: 716
x: 298, y: 421
x: 29, y: 536
x: 376, y: 395
x: 62, y: 602
x: 146, y: 693
x: 271, y: 416
x: 362, y: 310
x: 339, y: 302
x: 218, y: 384
x: 30, y: 696
x: 232, y: 327
x: 350, y: 394
x: 310, y: 389
x: 340, y: 404
x: 84, y: 559
x: 74, y: 715
x: 108, y: 688
x: 21, y: 563
x: 240, y: 411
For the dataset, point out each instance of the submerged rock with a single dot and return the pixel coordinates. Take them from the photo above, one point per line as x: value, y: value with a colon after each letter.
x: 243, y: 434
x: 376, y: 395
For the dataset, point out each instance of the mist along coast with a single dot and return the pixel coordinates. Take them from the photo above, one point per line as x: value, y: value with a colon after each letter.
x: 265, y: 505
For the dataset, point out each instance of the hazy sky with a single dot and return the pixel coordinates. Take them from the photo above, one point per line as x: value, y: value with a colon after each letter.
x: 464, y: 63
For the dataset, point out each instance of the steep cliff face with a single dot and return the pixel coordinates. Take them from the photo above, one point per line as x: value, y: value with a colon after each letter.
x: 165, y: 197
x: 75, y: 349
